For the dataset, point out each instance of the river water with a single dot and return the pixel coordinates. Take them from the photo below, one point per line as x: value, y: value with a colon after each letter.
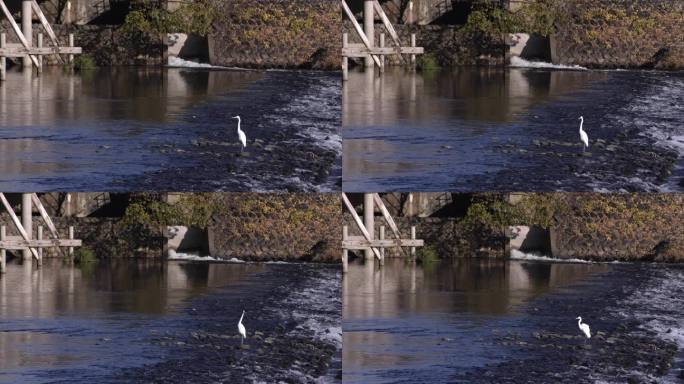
x: 482, y: 129
x: 123, y: 321
x: 494, y: 321
x: 123, y: 129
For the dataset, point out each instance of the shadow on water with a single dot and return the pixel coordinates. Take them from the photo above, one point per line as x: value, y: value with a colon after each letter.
x: 485, y: 129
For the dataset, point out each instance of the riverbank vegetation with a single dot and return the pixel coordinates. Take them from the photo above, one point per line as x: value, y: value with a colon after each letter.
x: 536, y: 17
x: 149, y: 17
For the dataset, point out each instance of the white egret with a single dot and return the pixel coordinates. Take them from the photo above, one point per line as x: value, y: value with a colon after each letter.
x: 583, y: 135
x: 241, y: 329
x: 583, y: 327
x: 241, y: 135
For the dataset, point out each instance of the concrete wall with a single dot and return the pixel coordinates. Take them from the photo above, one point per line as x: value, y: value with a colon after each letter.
x: 180, y: 238
x: 528, y: 239
x: 629, y: 33
x: 278, y: 33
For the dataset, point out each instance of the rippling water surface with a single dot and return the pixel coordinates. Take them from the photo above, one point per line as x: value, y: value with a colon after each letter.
x: 140, y: 321
x: 484, y: 129
x: 169, y: 129
x: 492, y: 321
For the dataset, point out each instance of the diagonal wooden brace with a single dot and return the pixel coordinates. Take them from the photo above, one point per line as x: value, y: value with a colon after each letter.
x: 359, y: 223
x: 17, y: 222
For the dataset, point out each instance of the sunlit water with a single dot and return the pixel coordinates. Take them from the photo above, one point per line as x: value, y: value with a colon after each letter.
x: 478, y: 320
x: 487, y: 129
x: 127, y: 321
x: 167, y: 129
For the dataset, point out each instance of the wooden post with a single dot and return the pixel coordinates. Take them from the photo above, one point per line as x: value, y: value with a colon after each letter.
x: 382, y: 250
x: 410, y: 18
x: 369, y: 28
x: 68, y: 12
x: 3, y: 60
x: 71, y: 45
x: 40, y: 58
x: 27, y: 221
x: 345, y: 252
x: 345, y: 59
x: 382, y: 58
x: 27, y: 29
x: 71, y: 237
x: 40, y: 250
x: 413, y: 45
x: 410, y: 208
x: 369, y: 220
x: 3, y: 253
x: 413, y: 237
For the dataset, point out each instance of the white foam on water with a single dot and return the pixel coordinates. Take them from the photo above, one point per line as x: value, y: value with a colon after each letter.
x: 660, y: 306
x: 518, y: 62
x: 314, y: 305
x: 518, y: 255
x: 177, y: 62
x: 180, y: 256
x: 658, y: 113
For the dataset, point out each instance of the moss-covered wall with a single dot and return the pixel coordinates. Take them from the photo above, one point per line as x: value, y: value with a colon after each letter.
x: 292, y: 226
x: 277, y: 33
x: 595, y: 226
x: 620, y: 227
x: 620, y: 33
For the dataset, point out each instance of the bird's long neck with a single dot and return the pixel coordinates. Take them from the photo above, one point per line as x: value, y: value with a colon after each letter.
x: 581, y: 125
x: 579, y: 321
x: 243, y: 315
x: 238, y: 124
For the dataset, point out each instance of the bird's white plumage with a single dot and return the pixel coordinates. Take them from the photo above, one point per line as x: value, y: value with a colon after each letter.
x: 241, y: 328
x: 241, y: 135
x: 584, y: 327
x: 583, y: 135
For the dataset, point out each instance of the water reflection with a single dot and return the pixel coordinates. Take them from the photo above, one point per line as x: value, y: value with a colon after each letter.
x: 483, y: 286
x: 453, y: 125
x: 480, y: 94
x: 407, y: 321
x: 117, y: 93
x: 119, y: 285
x: 61, y: 316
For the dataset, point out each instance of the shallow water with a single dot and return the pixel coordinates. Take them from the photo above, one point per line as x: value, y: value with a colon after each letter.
x: 491, y: 321
x: 481, y: 129
x: 165, y: 129
x: 131, y: 321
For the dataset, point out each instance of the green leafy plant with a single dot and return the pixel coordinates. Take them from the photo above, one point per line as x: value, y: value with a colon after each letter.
x: 427, y: 62
x: 150, y: 18
x: 84, y: 255
x: 84, y: 62
x: 537, y: 17
x: 426, y: 255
